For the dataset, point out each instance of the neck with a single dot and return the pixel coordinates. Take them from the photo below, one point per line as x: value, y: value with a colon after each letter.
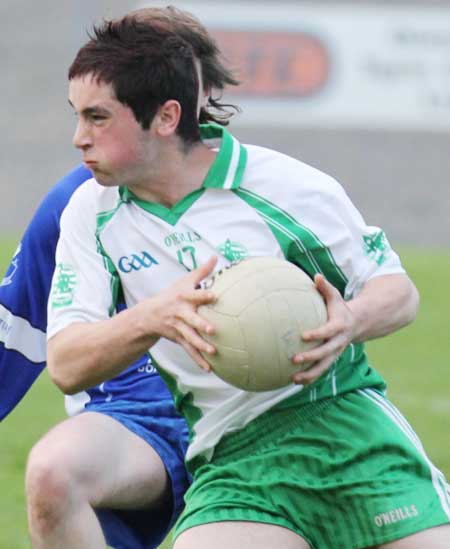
x: 177, y: 175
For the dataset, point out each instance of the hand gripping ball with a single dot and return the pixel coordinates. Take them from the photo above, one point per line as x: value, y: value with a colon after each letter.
x: 263, y: 306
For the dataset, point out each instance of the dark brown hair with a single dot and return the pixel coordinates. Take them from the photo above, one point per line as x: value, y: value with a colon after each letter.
x: 146, y: 66
x: 215, y: 75
x: 148, y: 58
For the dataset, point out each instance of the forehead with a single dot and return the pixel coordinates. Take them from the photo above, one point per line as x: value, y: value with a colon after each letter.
x: 86, y: 91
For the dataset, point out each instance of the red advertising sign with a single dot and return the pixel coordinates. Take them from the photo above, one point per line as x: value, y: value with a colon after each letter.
x: 278, y: 64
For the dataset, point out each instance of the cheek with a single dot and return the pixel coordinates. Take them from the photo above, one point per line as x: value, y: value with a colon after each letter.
x: 122, y: 151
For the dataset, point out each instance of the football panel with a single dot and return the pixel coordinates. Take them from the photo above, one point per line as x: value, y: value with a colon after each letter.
x: 233, y: 299
x: 254, y: 278
x: 260, y: 341
x: 282, y: 276
x: 230, y: 362
x: 287, y: 338
x: 310, y: 312
x: 231, y: 365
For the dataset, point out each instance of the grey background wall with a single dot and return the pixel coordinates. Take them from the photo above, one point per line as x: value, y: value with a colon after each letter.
x: 398, y: 179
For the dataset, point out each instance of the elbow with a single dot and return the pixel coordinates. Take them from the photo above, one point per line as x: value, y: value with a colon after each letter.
x: 62, y: 378
x: 412, y: 304
x: 62, y: 372
x: 66, y: 386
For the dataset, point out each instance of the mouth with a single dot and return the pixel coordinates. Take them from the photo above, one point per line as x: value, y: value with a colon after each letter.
x: 89, y: 163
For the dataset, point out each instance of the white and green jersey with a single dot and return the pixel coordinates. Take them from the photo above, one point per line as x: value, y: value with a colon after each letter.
x: 253, y: 202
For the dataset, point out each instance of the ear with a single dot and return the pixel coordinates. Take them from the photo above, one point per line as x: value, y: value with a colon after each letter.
x: 167, y: 118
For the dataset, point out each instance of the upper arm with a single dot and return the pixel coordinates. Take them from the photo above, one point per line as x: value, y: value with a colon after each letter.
x: 361, y: 251
x: 398, y: 288
x: 83, y: 286
x: 342, y: 246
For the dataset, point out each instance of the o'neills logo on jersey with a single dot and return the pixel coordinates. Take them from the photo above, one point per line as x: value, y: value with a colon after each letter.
x: 396, y: 515
x: 136, y: 262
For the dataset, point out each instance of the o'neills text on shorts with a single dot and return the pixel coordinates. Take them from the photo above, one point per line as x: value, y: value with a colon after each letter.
x: 396, y: 515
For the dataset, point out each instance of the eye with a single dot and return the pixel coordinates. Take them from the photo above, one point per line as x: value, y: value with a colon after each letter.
x: 98, y: 117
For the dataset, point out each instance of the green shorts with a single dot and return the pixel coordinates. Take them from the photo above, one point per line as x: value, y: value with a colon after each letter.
x: 347, y: 472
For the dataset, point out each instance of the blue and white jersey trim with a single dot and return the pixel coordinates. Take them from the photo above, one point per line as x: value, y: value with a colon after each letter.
x: 17, y: 334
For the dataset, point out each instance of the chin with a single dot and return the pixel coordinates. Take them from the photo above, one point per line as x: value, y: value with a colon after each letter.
x: 104, y: 180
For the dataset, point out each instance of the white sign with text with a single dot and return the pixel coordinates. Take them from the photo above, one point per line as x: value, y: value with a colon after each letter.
x: 335, y: 66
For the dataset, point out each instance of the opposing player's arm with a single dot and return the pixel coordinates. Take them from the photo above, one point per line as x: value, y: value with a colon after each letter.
x: 24, y: 294
x: 84, y: 354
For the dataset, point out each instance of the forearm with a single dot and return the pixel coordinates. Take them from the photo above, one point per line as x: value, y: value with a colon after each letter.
x: 386, y: 304
x: 85, y: 354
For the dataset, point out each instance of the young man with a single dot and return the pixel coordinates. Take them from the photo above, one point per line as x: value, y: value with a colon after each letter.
x: 324, y: 462
x: 142, y: 478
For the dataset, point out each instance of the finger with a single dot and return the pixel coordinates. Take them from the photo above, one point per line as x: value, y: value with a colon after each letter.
x: 196, y: 356
x: 201, y: 297
x: 327, y: 331
x: 198, y: 323
x: 204, y: 270
x: 307, y: 377
x: 313, y: 355
x: 191, y: 336
x: 333, y: 346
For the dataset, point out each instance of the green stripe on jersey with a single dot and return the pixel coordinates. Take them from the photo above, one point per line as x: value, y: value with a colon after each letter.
x: 228, y: 168
x: 183, y: 401
x: 298, y: 243
x: 102, y: 219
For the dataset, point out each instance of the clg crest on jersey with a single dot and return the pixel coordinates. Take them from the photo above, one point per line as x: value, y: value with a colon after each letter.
x: 13, y: 266
x: 63, y: 287
x: 376, y: 246
x: 233, y: 251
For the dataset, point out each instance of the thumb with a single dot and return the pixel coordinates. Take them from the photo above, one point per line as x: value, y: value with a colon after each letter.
x: 326, y: 289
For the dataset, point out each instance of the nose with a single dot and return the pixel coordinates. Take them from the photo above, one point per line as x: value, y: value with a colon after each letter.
x: 82, y: 138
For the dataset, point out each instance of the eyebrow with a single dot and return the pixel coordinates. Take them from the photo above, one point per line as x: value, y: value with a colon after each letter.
x: 89, y: 111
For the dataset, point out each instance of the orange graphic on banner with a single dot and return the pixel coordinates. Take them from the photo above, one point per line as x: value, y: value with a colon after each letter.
x: 275, y: 63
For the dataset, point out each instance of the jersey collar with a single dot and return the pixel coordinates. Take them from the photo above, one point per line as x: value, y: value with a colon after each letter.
x: 227, y: 170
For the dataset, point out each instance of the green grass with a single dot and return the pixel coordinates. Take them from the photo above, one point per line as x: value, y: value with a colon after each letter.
x: 416, y: 362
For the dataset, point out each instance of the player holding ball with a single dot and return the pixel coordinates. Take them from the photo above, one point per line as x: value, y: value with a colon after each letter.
x: 324, y: 462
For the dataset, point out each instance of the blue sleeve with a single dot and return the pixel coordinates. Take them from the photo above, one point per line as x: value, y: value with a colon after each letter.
x: 24, y: 294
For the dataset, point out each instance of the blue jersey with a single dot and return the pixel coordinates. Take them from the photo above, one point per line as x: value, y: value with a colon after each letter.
x: 24, y: 293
